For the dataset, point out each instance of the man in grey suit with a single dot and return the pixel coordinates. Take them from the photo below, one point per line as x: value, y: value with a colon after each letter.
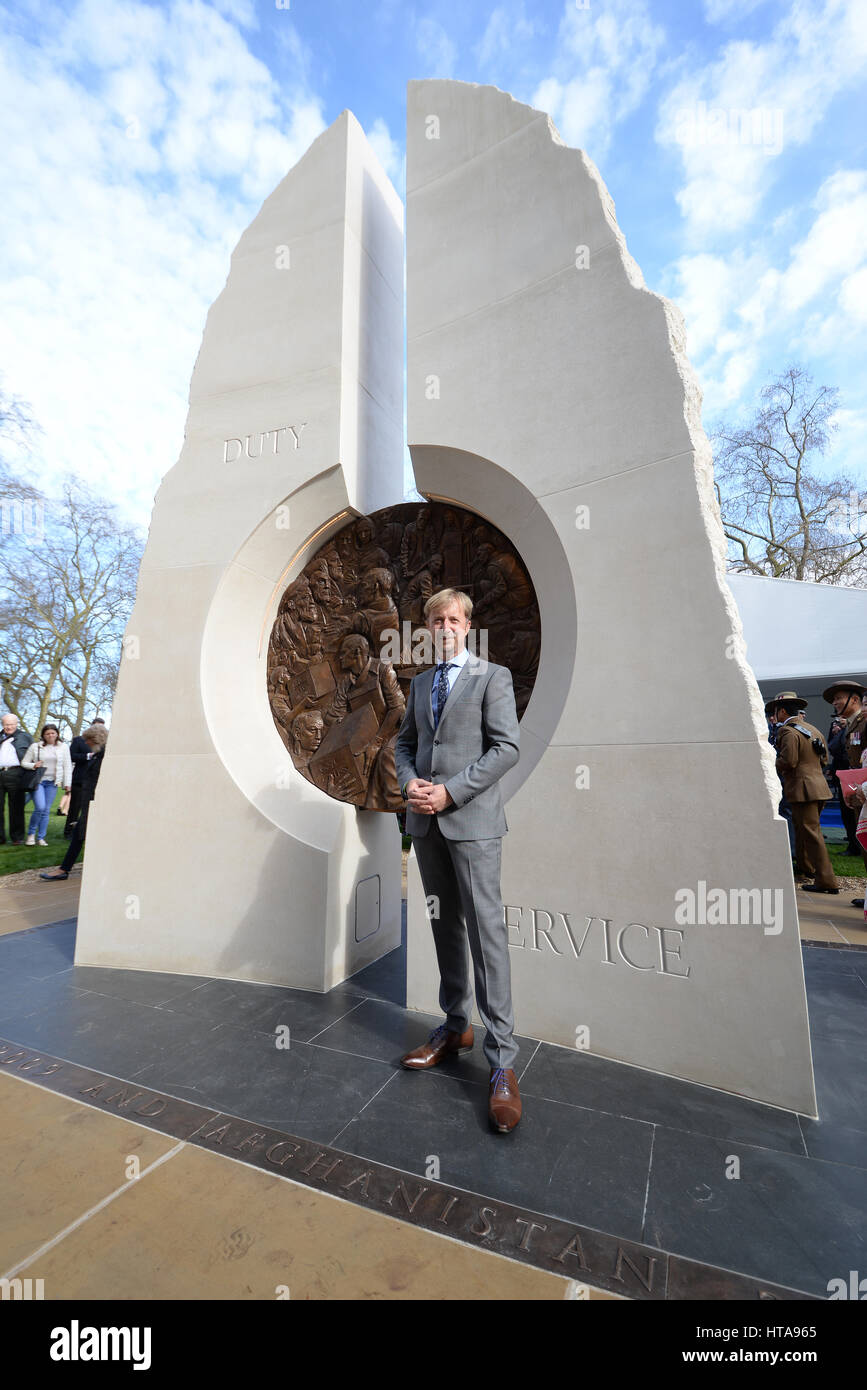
x: 458, y: 737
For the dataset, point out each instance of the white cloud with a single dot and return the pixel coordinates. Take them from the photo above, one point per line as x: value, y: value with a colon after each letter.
x: 387, y: 150
x: 835, y: 245
x: 138, y: 143
x: 723, y: 11
x: 787, y: 82
x: 707, y: 288
x: 244, y: 11
x: 505, y: 30
x: 604, y: 67
x: 828, y: 258
x: 436, y: 48
x: 739, y: 307
x: 847, y: 445
x: 853, y: 296
x: 579, y: 108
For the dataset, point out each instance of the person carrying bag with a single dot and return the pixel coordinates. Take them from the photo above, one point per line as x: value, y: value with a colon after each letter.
x: 45, y: 766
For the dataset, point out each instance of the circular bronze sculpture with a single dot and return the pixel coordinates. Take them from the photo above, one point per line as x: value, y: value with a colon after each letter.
x: 350, y: 635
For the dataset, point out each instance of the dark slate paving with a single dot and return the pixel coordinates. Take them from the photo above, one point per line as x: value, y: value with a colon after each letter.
x: 576, y: 1078
x: 575, y: 1164
x: 822, y: 966
x: 841, y: 1084
x: 599, y: 1141
x: 799, y: 1221
x: 25, y: 996
x: 139, y: 986
x: 37, y: 954
x: 835, y: 1142
x: 303, y: 1090
x: 838, y: 1011
x: 265, y: 1008
x: 111, y: 1035
x: 832, y: 958
x: 386, y: 1031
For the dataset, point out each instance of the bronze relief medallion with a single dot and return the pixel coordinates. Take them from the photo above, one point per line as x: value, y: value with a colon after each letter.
x: 350, y: 635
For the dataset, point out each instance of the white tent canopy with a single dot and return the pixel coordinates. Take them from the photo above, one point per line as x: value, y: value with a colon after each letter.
x: 795, y: 629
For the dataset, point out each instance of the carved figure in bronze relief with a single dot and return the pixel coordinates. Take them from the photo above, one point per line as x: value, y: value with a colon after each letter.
x: 370, y: 555
x: 341, y: 653
x: 308, y: 729
x: 362, y: 718
x: 419, y: 589
x: 415, y: 548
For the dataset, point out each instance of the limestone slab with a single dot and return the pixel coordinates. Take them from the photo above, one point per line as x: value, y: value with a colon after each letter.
x: 59, y: 1159
x: 202, y: 1227
x: 207, y: 854
x: 541, y: 367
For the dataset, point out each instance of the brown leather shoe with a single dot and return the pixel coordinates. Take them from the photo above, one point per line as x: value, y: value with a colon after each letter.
x: 442, y: 1043
x: 504, y: 1105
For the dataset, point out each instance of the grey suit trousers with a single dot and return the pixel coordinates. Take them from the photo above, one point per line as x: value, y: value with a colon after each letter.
x: 462, y: 877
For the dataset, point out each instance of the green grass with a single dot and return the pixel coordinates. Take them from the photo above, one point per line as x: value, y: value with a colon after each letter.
x: 846, y: 865
x: 14, y: 858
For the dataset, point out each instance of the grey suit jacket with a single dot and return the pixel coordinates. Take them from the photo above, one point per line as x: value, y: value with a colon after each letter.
x: 476, y: 742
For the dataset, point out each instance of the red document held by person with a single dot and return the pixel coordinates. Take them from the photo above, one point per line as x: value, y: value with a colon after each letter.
x: 852, y: 777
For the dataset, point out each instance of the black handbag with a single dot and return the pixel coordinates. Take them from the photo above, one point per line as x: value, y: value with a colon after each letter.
x: 30, y: 778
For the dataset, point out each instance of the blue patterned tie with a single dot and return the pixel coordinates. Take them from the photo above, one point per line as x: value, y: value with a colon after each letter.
x: 442, y: 690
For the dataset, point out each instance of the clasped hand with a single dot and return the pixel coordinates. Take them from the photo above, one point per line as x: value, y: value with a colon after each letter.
x: 427, y: 797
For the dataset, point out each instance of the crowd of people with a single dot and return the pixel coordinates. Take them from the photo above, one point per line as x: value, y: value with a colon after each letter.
x: 808, y: 764
x: 39, y: 769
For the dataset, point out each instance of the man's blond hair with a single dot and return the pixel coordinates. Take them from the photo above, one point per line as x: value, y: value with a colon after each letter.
x: 444, y: 597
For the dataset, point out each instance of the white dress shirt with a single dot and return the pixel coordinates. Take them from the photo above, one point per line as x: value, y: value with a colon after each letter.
x: 8, y: 755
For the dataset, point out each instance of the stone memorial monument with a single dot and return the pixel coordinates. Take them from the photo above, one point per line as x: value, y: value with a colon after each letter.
x: 209, y: 852
x: 245, y: 822
x: 646, y: 877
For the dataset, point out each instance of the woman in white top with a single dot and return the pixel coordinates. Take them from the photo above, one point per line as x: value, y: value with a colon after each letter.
x: 52, y: 755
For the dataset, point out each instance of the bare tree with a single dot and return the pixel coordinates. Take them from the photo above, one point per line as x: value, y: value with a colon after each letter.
x: 21, y: 503
x: 780, y: 517
x: 63, y: 608
x: 17, y: 425
x: 68, y: 568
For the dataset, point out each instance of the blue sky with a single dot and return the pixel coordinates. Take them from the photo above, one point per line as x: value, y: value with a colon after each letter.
x: 140, y: 139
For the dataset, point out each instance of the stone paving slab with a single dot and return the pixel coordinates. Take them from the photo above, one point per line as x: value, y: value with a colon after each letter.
x: 106, y: 1209
x: 589, y: 1154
